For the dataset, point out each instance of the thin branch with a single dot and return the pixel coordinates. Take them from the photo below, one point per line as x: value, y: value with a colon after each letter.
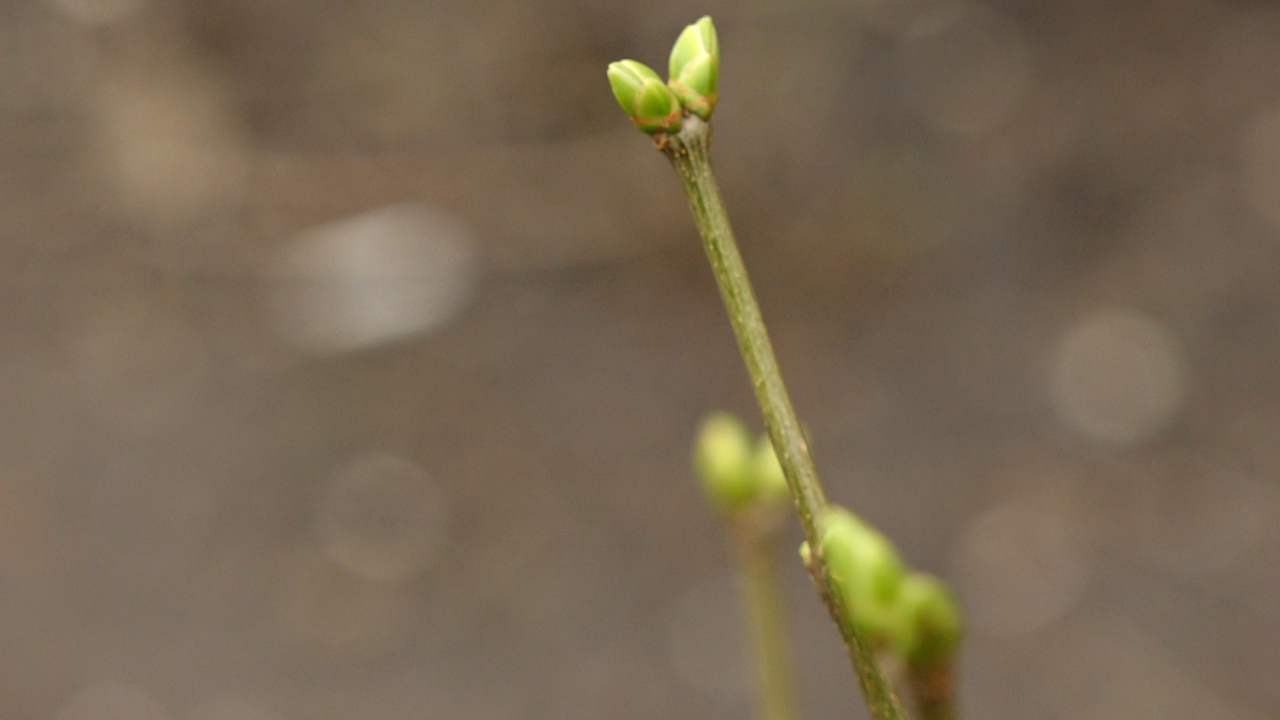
x: 690, y: 154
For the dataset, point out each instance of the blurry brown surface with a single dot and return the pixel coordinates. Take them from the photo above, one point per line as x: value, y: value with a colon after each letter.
x: 352, y: 352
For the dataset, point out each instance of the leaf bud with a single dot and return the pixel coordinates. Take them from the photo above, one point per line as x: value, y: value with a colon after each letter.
x: 930, y: 623
x: 648, y: 101
x: 864, y: 567
x: 722, y: 457
x: 770, y: 480
x: 695, y: 67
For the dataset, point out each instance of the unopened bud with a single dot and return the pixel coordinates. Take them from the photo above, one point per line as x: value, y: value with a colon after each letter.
x: 770, y: 480
x: 864, y: 567
x: 695, y: 67
x: 722, y: 459
x: 647, y: 100
x: 930, y: 623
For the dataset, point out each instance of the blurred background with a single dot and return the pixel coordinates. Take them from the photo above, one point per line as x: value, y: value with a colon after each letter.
x: 352, y: 351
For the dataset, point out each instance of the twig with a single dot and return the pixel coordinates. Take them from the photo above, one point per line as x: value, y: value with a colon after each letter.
x: 689, y: 151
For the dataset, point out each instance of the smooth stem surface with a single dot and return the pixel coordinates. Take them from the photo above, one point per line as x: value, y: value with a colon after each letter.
x: 766, y: 618
x: 690, y: 154
x: 932, y: 692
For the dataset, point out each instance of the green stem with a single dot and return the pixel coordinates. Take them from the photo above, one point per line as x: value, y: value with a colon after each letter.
x: 758, y: 578
x: 690, y: 154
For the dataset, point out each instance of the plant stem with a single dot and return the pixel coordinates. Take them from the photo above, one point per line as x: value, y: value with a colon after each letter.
x: 756, y: 538
x: 690, y: 154
x: 932, y: 693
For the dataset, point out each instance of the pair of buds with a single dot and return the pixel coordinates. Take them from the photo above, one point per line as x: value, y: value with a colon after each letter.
x: 736, y: 472
x: 911, y: 614
x: 657, y: 107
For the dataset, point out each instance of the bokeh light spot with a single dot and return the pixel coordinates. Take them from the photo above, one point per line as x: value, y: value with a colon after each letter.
x: 1022, y: 565
x: 382, y: 518
x: 372, y: 279
x: 171, y: 146
x: 1118, y: 377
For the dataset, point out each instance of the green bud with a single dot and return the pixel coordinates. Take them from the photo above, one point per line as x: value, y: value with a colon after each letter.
x: 646, y: 99
x: 722, y: 459
x: 929, y: 623
x: 865, y: 569
x: 806, y: 556
x: 766, y: 469
x: 695, y: 67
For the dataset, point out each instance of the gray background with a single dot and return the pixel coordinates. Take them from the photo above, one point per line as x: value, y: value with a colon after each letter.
x: 352, y: 351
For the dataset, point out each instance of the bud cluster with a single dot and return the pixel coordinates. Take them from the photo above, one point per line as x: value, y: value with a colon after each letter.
x: 735, y: 472
x: 912, y: 614
x: 660, y: 108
